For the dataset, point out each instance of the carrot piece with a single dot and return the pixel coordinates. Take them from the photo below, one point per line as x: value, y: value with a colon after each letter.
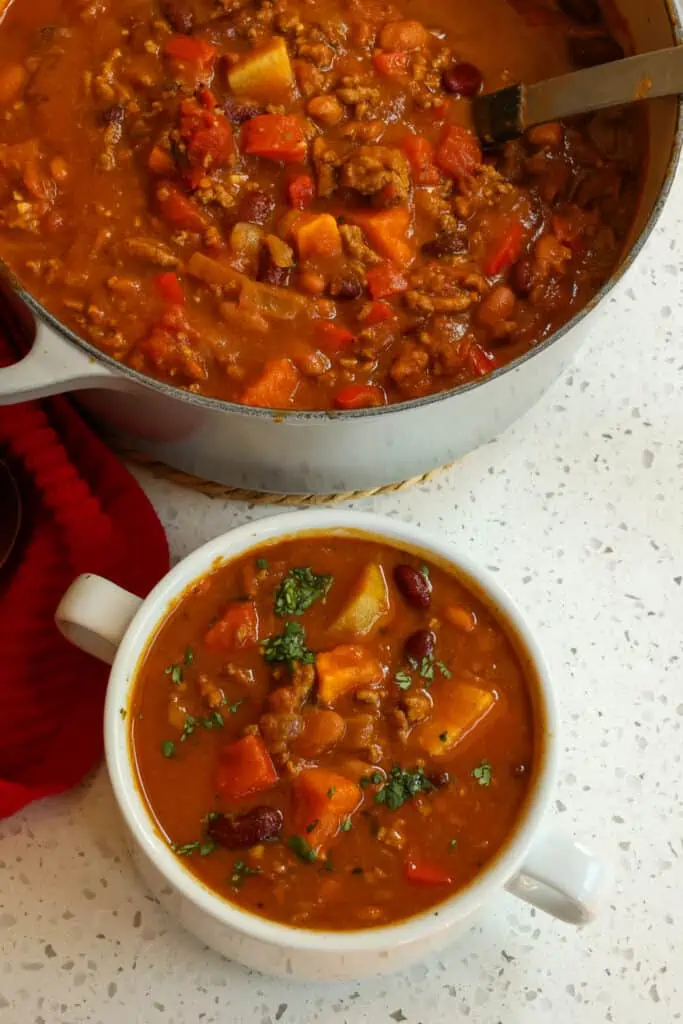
x: 276, y: 386
x: 322, y: 801
x: 276, y: 137
x: 301, y: 191
x: 359, y: 396
x: 180, y: 211
x: 377, y: 313
x: 191, y: 50
x: 419, y: 153
x: 237, y: 627
x: 244, y: 768
x: 317, y: 235
x: 387, y: 231
x: 168, y: 288
x: 505, y: 246
x: 332, y: 339
x: 459, y: 153
x: 393, y: 65
x: 425, y: 872
x: 385, y: 280
x: 345, y: 668
x: 160, y: 161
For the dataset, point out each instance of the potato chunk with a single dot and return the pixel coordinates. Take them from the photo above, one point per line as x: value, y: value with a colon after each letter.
x: 368, y: 607
x: 346, y: 668
x: 265, y: 72
x: 457, y: 712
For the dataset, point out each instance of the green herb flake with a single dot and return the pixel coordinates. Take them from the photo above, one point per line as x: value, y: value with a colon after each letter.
x: 345, y: 825
x: 425, y: 667
x: 240, y: 871
x: 309, y: 828
x: 452, y: 843
x: 299, y: 589
x: 206, y: 848
x: 444, y: 670
x: 483, y: 773
x: 333, y: 789
x: 443, y: 736
x: 213, y: 721
x: 424, y: 569
x: 261, y: 563
x: 403, y: 680
x: 213, y: 815
x: 234, y: 707
x: 302, y: 849
x: 185, y: 849
x: 175, y: 672
x: 290, y: 646
x: 188, y: 728
x: 328, y: 865
x: 167, y: 748
x: 123, y: 713
x: 401, y: 785
x: 189, y: 656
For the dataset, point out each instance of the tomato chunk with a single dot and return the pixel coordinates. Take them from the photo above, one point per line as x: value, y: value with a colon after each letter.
x: 276, y: 137
x: 244, y: 768
x: 459, y: 153
x: 237, y: 628
x: 333, y: 339
x: 207, y: 134
x: 419, y: 153
x: 376, y: 313
x: 169, y: 288
x: 359, y: 396
x: 421, y: 871
x: 191, y: 50
x: 301, y: 191
x: 504, y: 248
x: 179, y: 210
x: 385, y: 280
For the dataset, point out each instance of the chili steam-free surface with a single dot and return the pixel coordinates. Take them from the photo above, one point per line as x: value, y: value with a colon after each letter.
x: 332, y: 734
x: 280, y: 202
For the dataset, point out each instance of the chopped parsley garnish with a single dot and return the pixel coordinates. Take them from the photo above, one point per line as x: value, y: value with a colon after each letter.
x: 483, y: 773
x: 189, y: 655
x: 424, y: 569
x: 444, y: 670
x: 425, y: 667
x: 443, y: 736
x: 403, y: 680
x: 328, y: 865
x: 401, y: 786
x: 309, y: 828
x: 331, y: 791
x: 175, y: 672
x: 213, y: 815
x: 123, y: 713
x: 205, y: 847
x: 298, y: 590
x: 232, y: 708
x: 167, y: 748
x: 290, y: 646
x: 301, y: 848
x: 371, y: 780
x: 188, y: 728
x: 213, y: 720
x: 452, y: 843
x: 240, y: 871
x: 345, y: 825
x: 261, y: 563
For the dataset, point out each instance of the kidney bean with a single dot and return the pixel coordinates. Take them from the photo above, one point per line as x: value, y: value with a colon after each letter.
x: 420, y: 644
x: 246, y: 829
x: 238, y: 112
x: 270, y: 273
x: 414, y: 585
x: 256, y: 206
x: 179, y: 15
x: 522, y: 277
x: 462, y: 79
x: 446, y: 243
x: 586, y: 12
x: 346, y: 287
x: 439, y: 779
x: 589, y: 51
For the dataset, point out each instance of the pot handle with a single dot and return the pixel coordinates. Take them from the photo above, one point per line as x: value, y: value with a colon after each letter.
x: 94, y: 614
x: 51, y: 367
x: 562, y: 878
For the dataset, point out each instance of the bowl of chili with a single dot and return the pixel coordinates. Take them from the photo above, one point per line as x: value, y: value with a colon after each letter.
x: 333, y: 740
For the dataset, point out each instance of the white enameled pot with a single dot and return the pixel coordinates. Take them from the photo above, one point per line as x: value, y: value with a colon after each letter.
x: 546, y: 868
x: 322, y: 452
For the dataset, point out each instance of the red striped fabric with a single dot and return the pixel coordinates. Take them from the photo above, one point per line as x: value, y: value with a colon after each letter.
x: 83, y: 513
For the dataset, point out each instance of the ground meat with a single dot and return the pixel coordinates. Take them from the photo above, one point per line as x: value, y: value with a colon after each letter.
x: 211, y: 693
x: 411, y: 363
x: 417, y: 706
x: 369, y: 169
x: 150, y: 251
x: 356, y: 246
x: 282, y: 721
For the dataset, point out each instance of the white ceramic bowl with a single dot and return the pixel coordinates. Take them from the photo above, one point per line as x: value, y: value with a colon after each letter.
x: 544, y: 868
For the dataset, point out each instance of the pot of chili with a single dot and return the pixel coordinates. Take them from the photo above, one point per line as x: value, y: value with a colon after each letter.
x: 267, y: 247
x: 332, y: 740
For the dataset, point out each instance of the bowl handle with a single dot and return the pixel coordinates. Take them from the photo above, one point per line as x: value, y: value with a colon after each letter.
x: 52, y: 366
x: 561, y: 877
x: 94, y: 614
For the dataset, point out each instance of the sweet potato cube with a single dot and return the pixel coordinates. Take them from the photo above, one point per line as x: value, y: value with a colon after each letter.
x: 387, y: 231
x: 317, y: 235
x: 345, y: 668
x: 457, y: 711
x: 245, y: 768
x: 321, y: 802
x: 238, y: 627
x: 264, y: 72
x: 368, y: 606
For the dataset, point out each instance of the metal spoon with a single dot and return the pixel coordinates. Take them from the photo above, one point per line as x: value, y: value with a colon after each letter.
x: 507, y: 113
x: 10, y: 513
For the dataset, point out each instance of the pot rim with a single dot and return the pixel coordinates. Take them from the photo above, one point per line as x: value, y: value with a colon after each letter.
x: 462, y: 904
x: 306, y: 416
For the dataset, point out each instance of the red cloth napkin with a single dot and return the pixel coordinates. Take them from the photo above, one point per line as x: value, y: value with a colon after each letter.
x: 83, y: 512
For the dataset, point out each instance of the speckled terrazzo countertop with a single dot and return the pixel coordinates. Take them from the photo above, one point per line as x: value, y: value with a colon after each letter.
x: 579, y: 509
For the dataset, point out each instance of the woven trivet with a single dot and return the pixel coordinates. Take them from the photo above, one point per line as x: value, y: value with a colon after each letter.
x: 214, y: 490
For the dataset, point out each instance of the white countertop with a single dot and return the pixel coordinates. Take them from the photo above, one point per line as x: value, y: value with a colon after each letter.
x: 579, y: 509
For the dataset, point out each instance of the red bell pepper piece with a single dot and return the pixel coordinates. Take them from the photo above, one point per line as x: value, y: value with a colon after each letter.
x: 333, y: 339
x: 385, y: 279
x: 275, y: 136
x: 238, y: 627
x: 359, y: 396
x: 377, y: 313
x: 419, y: 153
x: 169, y: 288
x: 505, y: 247
x: 301, y: 191
x: 191, y: 50
x: 459, y: 153
x: 425, y: 872
x: 393, y: 64
x: 178, y: 210
x: 244, y: 768
x: 481, y: 362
